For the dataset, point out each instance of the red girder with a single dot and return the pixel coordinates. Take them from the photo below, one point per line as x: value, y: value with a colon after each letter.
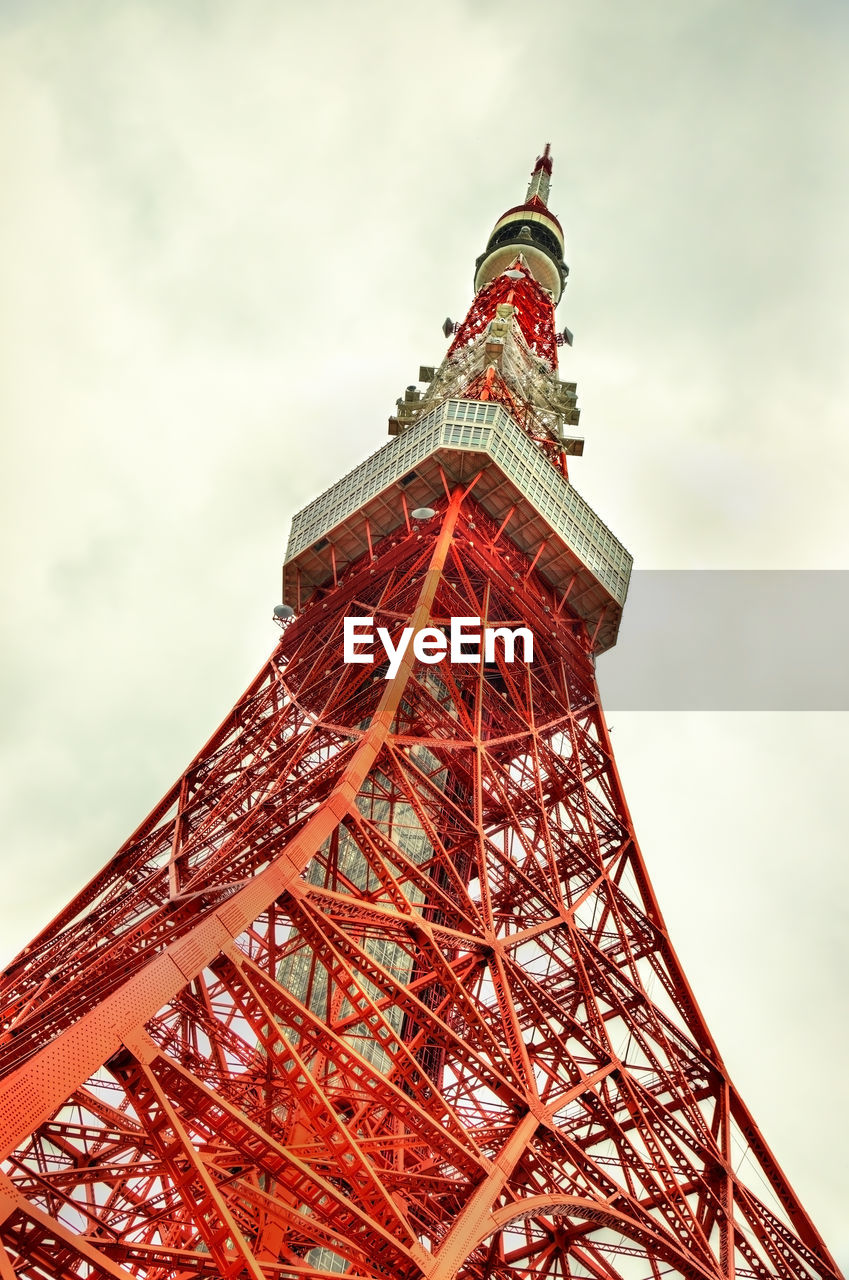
x: 382, y: 985
x: 534, y: 312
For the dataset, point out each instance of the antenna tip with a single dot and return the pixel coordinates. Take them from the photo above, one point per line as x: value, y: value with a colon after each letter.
x: 544, y: 162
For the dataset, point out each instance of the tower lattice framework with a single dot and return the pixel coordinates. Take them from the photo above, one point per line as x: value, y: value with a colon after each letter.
x: 381, y: 986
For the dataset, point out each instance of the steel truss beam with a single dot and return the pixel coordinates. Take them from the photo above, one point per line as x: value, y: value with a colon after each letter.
x: 382, y: 985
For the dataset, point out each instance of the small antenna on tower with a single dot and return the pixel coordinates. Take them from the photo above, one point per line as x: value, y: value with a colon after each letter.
x: 540, y: 182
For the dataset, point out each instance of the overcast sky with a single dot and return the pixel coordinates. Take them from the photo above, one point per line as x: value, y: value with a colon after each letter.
x: 229, y: 235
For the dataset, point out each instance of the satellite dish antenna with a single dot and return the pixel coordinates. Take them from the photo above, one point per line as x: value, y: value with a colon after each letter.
x: 284, y: 612
x: 423, y: 513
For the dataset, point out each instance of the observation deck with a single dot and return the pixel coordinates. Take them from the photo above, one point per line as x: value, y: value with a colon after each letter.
x: 551, y: 522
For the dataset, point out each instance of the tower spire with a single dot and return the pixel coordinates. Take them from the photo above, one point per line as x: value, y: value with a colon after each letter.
x: 505, y: 350
x: 540, y: 183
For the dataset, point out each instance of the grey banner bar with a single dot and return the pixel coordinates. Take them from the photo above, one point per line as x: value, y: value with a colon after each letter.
x: 731, y: 640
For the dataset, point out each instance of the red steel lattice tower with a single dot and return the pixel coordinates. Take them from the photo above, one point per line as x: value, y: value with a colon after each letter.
x: 381, y: 986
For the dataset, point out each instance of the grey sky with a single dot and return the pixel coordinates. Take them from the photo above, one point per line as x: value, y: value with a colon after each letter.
x: 229, y: 234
